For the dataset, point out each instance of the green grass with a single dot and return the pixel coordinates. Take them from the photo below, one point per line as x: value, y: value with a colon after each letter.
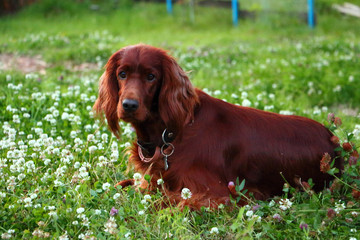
x: 51, y: 170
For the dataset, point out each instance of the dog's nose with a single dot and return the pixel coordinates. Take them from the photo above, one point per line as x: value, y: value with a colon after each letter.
x: 130, y: 105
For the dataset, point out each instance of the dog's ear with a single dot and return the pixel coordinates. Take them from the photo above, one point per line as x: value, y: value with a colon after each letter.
x: 109, y: 94
x: 177, y: 98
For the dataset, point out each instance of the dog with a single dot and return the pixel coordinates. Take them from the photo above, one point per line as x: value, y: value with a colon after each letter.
x: 191, y: 140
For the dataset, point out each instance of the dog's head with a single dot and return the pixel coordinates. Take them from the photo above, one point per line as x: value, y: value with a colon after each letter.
x: 141, y: 82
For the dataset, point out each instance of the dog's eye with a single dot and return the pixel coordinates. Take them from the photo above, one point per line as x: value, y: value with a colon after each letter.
x: 151, y: 77
x: 122, y: 75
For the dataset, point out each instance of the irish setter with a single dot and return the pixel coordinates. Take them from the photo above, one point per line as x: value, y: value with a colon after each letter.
x: 192, y: 140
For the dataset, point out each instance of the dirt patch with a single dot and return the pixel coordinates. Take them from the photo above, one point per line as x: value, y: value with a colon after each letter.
x: 353, y: 112
x: 27, y: 64
x: 23, y: 64
x: 83, y: 67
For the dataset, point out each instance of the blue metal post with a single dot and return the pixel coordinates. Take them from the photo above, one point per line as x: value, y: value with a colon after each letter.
x: 234, y: 5
x: 169, y: 6
x: 311, y: 14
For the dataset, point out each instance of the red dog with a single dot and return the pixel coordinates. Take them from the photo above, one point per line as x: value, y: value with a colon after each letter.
x: 192, y: 140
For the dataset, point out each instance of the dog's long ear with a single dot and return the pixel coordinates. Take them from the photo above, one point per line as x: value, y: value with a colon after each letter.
x: 177, y: 98
x: 109, y: 94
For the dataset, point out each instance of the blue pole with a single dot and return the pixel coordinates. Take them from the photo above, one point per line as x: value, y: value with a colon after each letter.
x: 169, y: 6
x: 234, y: 5
x: 311, y: 15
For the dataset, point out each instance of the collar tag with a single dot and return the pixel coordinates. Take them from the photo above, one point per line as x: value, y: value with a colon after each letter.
x: 167, y: 136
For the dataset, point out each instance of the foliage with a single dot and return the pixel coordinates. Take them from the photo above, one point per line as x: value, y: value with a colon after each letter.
x: 59, y: 165
x: 326, y: 5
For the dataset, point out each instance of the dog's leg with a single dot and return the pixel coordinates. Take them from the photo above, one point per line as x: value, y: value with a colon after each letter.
x: 125, y: 183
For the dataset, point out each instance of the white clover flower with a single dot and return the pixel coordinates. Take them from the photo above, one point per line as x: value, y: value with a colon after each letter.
x: 147, y: 197
x: 38, y: 233
x: 92, y: 98
x: 217, y: 92
x: 356, y: 131
x: 285, y: 204
x: 214, y: 230
x: 97, y: 211
x: 65, y: 116
x: 58, y: 183
x: 30, y: 165
x: 87, y: 128
x: 104, y: 137
x: 249, y: 213
x: 78, y: 141
x: 53, y: 122
x: 77, y: 165
x: 56, y: 151
x: 92, y: 149
x: 33, y: 196
x: 116, y: 196
x: 16, y: 119
x: 160, y: 181
x: 137, y: 177
x: 73, y: 134
x: 80, y: 210
x: 246, y: 103
x: 337, y: 88
x: 111, y: 226
x: 56, y: 113
x: 114, y: 146
x: 286, y: 112
x: 85, y: 222
x: 127, y: 235
x: 6, y: 236
x: 351, y: 78
x: 90, y: 137
x: 47, y: 161
x: 186, y: 193
x: 142, y: 212
x: 233, y: 95
x: 256, y: 217
x: 244, y: 95
x: 75, y: 222
x: 53, y: 214
x: 106, y: 186
x: 72, y: 106
x: 51, y: 208
x: 21, y: 176
x: 339, y: 207
x: 64, y: 236
x: 277, y: 217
